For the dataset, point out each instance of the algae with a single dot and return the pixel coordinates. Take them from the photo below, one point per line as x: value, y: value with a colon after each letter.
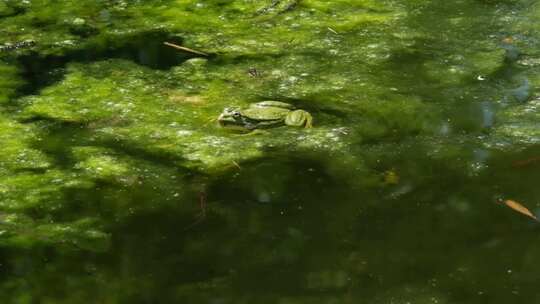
x: 10, y: 82
x: 113, y: 168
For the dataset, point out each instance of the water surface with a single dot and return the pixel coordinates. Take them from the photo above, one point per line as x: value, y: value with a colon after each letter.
x: 117, y: 186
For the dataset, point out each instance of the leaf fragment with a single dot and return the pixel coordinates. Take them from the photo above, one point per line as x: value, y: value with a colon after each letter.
x: 520, y: 208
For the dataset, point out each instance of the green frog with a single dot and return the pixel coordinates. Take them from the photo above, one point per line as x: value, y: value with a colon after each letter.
x: 265, y: 114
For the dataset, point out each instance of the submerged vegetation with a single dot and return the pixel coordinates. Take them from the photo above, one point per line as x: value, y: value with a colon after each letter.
x: 117, y: 185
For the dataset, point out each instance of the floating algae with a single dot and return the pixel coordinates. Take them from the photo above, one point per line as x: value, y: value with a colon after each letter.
x: 117, y: 185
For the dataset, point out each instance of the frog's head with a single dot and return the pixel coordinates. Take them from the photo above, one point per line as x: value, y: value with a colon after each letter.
x: 231, y: 117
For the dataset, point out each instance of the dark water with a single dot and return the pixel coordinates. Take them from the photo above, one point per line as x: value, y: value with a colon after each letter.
x: 437, y: 236
x: 407, y: 210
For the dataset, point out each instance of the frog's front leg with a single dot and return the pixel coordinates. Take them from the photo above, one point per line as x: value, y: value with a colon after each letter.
x: 309, y: 121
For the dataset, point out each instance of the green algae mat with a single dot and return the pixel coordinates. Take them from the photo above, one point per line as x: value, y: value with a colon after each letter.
x: 117, y: 185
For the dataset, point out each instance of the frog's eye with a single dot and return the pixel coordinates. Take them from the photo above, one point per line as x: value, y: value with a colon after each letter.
x: 235, y: 114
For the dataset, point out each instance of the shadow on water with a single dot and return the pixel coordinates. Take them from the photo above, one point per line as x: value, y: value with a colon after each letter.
x: 79, y: 134
x: 285, y: 227
x: 256, y: 219
x: 143, y: 48
x: 11, y: 9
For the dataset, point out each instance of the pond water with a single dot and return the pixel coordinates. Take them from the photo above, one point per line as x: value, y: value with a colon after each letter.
x: 118, y: 186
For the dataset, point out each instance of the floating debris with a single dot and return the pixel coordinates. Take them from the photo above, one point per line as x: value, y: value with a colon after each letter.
x: 526, y: 162
x: 253, y: 72
x: 185, y: 49
x: 520, y: 208
x: 332, y: 30
x: 201, y: 216
x: 391, y: 177
x: 236, y: 165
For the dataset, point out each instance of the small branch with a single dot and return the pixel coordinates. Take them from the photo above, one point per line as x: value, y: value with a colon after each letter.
x: 236, y: 165
x: 185, y: 49
x: 332, y: 30
x: 529, y: 161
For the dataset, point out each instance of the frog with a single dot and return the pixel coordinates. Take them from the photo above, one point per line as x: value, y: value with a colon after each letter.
x: 264, y: 115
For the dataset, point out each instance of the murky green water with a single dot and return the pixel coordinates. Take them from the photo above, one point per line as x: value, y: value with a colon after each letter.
x: 117, y: 185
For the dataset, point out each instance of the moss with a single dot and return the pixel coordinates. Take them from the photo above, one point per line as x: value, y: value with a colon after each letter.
x: 118, y: 101
x: 43, y: 192
x: 519, y: 124
x: 122, y: 144
x: 22, y: 232
x: 463, y: 68
x: 10, y: 81
x: 99, y: 164
x: 169, y: 114
x: 17, y: 152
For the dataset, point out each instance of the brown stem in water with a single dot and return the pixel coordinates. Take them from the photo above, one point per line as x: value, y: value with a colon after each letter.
x: 185, y: 49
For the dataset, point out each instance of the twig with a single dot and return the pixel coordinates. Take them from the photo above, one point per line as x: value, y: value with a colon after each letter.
x: 332, y: 30
x: 201, y: 216
x: 529, y: 161
x: 185, y: 49
x: 202, y: 203
x: 236, y: 165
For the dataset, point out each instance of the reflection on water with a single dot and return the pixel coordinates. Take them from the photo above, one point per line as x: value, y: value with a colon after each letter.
x: 488, y: 114
x: 437, y: 235
x: 523, y: 92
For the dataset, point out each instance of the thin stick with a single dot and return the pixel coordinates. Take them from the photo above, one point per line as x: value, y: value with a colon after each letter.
x: 202, y: 215
x: 236, y: 165
x: 185, y: 49
x: 521, y: 163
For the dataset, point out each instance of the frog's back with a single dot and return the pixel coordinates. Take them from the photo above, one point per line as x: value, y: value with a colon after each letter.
x: 270, y: 113
x: 272, y: 103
